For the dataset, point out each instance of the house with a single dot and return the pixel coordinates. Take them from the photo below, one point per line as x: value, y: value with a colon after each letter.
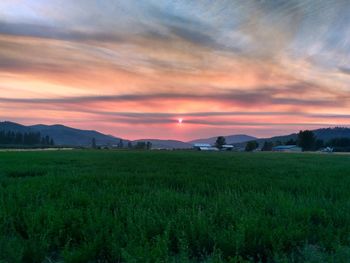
x: 204, y: 147
x: 287, y: 148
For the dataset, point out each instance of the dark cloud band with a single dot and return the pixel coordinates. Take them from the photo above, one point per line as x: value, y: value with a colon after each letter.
x: 235, y: 98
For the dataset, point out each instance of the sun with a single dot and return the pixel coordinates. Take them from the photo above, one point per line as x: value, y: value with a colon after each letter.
x: 179, y: 121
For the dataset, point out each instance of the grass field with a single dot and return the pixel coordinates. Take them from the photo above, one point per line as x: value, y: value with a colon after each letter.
x: 125, y: 206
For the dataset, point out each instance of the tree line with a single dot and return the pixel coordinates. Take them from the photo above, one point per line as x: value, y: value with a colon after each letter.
x: 306, y: 139
x: 25, y: 138
x: 140, y: 145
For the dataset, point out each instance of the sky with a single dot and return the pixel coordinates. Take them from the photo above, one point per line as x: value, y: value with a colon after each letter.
x: 133, y: 69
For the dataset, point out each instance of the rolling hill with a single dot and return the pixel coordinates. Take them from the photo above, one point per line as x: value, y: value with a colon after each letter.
x: 324, y: 134
x: 231, y: 139
x: 62, y: 135
x: 67, y: 136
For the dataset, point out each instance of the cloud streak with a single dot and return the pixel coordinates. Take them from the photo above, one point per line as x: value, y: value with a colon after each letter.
x: 48, y: 32
x: 235, y: 97
x: 261, y: 67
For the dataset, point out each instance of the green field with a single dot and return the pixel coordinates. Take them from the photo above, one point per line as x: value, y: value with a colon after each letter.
x: 128, y: 206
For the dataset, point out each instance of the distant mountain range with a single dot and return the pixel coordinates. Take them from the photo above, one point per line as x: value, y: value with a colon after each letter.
x: 324, y: 134
x: 67, y: 136
x: 62, y: 135
x: 231, y: 139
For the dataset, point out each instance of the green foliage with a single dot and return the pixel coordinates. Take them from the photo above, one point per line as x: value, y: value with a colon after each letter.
x: 307, y: 140
x: 267, y: 146
x: 141, y: 145
x: 340, y: 144
x: 93, y: 143
x: 146, y: 206
x: 291, y: 142
x: 251, y: 146
x: 24, y: 139
x: 148, y: 145
x: 319, y: 144
x: 220, y: 141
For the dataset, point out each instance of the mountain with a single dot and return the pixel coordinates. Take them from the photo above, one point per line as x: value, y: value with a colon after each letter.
x: 165, y: 144
x: 68, y: 136
x: 231, y: 139
x: 62, y: 135
x: 331, y: 133
x: 12, y: 126
x: 324, y: 134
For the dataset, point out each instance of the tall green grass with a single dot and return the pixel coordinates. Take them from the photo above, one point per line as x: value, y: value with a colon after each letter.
x: 125, y: 206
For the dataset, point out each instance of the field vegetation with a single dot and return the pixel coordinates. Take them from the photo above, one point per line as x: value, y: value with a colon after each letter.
x: 149, y: 206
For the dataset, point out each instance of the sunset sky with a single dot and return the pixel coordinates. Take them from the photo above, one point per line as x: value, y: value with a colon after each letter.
x: 134, y: 68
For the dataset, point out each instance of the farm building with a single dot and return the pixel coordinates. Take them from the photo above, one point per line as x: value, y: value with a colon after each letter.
x: 286, y: 148
x: 327, y: 150
x: 227, y: 147
x: 204, y: 147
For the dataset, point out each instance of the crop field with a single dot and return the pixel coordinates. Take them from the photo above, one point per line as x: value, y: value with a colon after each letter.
x: 149, y: 206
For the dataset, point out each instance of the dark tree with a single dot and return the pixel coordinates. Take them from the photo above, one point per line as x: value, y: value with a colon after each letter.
x: 19, y: 138
x: 47, y: 140
x: 291, y: 142
x: 120, y: 143
x: 52, y: 142
x: 93, y: 143
x: 319, y: 144
x: 148, y: 145
x: 340, y: 144
x: 24, y: 139
x: 129, y: 145
x: 251, y: 146
x: 277, y: 143
x: 140, y: 145
x: 307, y: 140
x: 267, y: 146
x: 220, y: 141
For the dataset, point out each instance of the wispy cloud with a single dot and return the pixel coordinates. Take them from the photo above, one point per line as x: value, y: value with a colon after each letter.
x: 236, y: 97
x: 49, y: 32
x: 264, y: 66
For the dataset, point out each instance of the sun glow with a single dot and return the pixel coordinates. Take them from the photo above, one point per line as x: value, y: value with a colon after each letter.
x: 180, y: 121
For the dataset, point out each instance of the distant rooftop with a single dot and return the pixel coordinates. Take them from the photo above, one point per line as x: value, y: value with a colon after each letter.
x: 201, y: 145
x: 284, y: 147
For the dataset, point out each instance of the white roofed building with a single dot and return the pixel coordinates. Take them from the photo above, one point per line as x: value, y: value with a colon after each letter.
x: 204, y: 147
